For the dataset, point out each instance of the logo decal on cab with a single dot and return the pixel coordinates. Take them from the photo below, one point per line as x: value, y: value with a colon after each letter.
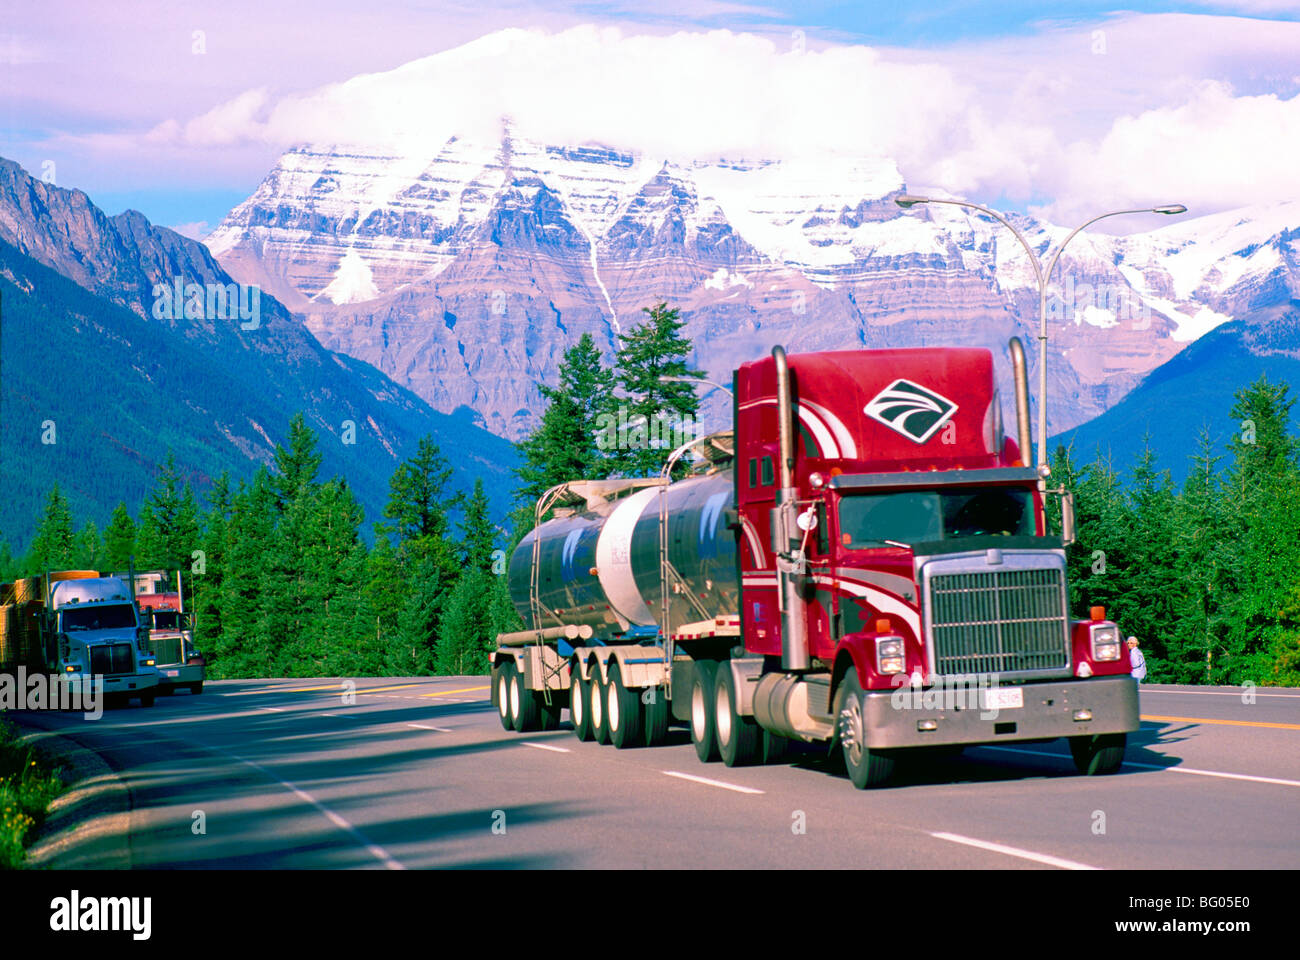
x: 910, y: 409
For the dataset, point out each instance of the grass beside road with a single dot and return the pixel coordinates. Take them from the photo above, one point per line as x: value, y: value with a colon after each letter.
x: 27, y: 785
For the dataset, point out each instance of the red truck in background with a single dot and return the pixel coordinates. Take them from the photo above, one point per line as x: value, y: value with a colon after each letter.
x: 863, y: 562
x: 171, y: 632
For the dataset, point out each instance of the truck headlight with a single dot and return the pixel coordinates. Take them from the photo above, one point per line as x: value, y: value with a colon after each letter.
x: 1105, y: 641
x: 889, y: 655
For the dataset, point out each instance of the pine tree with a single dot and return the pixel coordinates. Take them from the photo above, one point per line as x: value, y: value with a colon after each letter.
x: 478, y: 537
x: 296, y: 463
x: 417, y: 497
x: 207, y: 574
x: 423, y: 566
x: 467, y: 632
x: 1153, y: 581
x: 119, y: 539
x: 660, y: 415
x: 87, y: 548
x: 168, y: 531
x: 1199, y: 621
x: 52, y: 547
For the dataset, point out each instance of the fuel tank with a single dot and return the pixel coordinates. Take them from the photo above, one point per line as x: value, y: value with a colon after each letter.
x: 604, y: 570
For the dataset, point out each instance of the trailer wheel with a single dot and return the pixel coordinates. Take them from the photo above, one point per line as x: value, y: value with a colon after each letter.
x: 1098, y: 755
x: 580, y: 704
x: 623, y: 708
x: 523, y: 705
x: 599, y: 724
x: 548, y: 714
x: 866, y: 767
x: 737, y: 735
x: 655, y: 714
x: 503, y: 693
x: 703, y: 726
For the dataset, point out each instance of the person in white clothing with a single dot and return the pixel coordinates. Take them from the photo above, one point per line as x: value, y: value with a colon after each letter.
x: 1139, y: 661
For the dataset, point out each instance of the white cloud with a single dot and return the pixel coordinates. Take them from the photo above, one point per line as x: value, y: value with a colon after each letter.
x: 195, y: 231
x: 1043, y: 120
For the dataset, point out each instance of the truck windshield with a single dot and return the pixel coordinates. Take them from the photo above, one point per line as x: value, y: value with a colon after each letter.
x: 109, y: 617
x: 166, y: 620
x: 873, y: 519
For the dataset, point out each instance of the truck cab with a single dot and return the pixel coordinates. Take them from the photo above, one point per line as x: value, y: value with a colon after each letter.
x: 171, y: 638
x: 96, y: 634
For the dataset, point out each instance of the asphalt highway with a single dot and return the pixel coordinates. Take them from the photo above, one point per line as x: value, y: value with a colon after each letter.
x: 417, y: 773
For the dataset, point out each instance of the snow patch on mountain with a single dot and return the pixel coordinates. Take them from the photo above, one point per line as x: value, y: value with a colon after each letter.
x: 353, y: 281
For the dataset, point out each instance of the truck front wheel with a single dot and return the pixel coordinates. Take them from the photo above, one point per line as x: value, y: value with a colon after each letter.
x: 865, y: 767
x: 1097, y: 755
x: 738, y: 736
x: 704, y: 728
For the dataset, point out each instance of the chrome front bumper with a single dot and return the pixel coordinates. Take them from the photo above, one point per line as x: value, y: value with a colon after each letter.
x: 1048, y: 712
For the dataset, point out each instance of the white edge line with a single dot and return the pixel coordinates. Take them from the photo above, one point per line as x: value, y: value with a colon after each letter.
x: 711, y: 783
x: 1156, y: 766
x: 544, y: 746
x: 1014, y: 851
x: 425, y: 726
x: 272, y: 709
x: 1216, y: 693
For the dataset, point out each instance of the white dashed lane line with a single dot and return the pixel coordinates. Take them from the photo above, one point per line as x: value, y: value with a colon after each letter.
x: 711, y: 783
x: 1046, y: 858
x: 544, y: 746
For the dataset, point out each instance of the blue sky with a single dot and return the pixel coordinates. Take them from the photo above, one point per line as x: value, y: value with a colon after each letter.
x: 130, y: 109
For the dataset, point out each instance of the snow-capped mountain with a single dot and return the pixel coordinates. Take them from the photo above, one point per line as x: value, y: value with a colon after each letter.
x: 465, y: 275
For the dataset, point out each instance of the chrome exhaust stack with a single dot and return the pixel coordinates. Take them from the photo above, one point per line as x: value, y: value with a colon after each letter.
x: 790, y: 562
x: 1020, y: 369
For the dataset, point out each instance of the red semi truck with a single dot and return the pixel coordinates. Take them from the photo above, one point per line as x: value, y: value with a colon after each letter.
x: 863, y: 562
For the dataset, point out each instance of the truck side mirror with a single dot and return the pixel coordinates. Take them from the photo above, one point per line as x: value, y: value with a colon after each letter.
x: 1067, y: 518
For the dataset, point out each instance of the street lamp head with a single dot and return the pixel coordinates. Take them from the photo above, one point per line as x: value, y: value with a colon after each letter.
x: 906, y: 200
x: 1170, y: 208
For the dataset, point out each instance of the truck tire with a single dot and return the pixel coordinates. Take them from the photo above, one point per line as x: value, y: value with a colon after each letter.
x: 737, y: 735
x: 523, y: 705
x: 655, y: 714
x: 580, y: 704
x: 502, y: 690
x: 704, y: 730
x: 772, y: 747
x: 599, y: 726
x: 548, y: 714
x: 146, y: 699
x: 196, y: 688
x: 865, y: 767
x: 1098, y: 755
x: 623, y: 711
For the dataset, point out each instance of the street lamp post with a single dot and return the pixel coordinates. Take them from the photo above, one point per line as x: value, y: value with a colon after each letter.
x: 1044, y: 278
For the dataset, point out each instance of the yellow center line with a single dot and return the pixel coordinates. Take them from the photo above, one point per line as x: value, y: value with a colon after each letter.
x: 1225, y: 723
x: 341, y: 689
x: 447, y: 693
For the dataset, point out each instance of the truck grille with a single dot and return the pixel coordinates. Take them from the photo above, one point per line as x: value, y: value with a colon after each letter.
x: 112, y: 658
x: 167, y: 649
x: 999, y: 621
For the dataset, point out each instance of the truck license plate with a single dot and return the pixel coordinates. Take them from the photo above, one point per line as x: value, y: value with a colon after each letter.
x: 1004, y: 698
x: 172, y: 673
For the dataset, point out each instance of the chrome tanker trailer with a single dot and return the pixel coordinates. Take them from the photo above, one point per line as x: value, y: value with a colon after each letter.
x: 865, y: 538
